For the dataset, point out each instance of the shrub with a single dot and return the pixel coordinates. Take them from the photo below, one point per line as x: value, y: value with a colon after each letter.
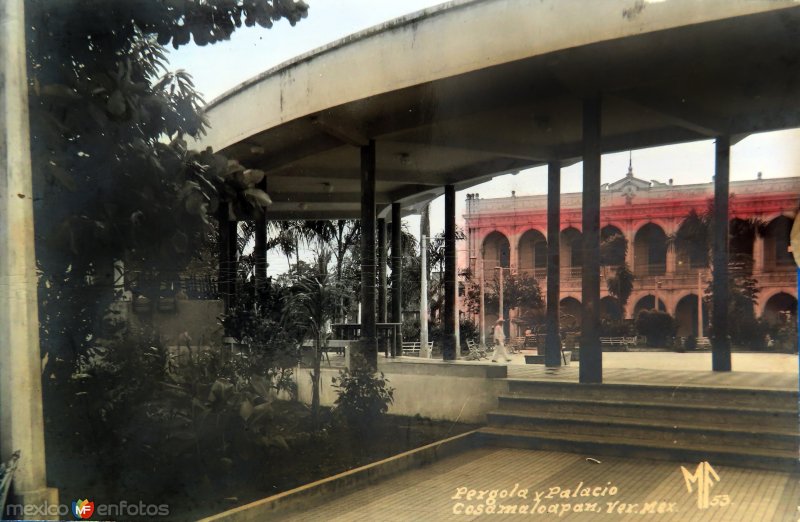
x: 468, y: 330
x: 363, y: 396
x: 411, y: 329
x: 657, y: 326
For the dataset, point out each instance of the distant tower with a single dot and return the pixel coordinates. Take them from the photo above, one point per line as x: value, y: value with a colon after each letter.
x: 630, y: 164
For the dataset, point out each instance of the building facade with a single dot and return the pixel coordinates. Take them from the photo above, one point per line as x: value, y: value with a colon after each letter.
x: 669, y: 269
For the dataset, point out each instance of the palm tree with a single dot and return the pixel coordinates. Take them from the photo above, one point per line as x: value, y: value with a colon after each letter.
x: 312, y: 306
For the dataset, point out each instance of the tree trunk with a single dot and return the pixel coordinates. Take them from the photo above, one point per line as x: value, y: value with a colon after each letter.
x: 315, y: 380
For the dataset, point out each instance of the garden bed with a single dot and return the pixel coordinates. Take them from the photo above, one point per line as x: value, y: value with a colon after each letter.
x: 192, y: 491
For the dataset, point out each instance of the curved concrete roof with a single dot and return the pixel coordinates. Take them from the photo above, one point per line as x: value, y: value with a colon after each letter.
x: 475, y: 88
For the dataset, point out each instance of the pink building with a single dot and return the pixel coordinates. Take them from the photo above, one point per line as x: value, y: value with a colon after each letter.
x: 512, y: 232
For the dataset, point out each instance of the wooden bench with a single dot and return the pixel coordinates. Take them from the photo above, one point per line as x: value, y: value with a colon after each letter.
x: 618, y: 341
x: 413, y: 348
x: 338, y: 345
x: 516, y: 344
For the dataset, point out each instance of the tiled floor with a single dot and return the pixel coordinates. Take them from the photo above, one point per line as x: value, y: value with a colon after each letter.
x: 428, y: 493
x: 737, y: 379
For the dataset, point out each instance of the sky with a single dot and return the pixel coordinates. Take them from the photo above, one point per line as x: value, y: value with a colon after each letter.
x: 250, y: 51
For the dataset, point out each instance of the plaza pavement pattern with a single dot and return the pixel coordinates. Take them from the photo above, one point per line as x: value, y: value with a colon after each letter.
x: 645, y: 490
x: 653, y: 377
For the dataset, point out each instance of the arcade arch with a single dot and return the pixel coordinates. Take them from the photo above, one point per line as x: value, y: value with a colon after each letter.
x: 779, y: 308
x: 612, y: 250
x: 686, y: 317
x: 648, y: 303
x: 571, y: 251
x: 742, y: 233
x: 611, y: 309
x: 532, y: 252
x: 570, y: 313
x: 776, y: 243
x: 691, y: 243
x: 496, y: 252
x: 650, y: 251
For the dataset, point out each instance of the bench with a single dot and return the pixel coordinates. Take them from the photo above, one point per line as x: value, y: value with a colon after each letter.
x: 338, y: 345
x: 618, y: 341
x: 413, y: 348
x: 516, y: 344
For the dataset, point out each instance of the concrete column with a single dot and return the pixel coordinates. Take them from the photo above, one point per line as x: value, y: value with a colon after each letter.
x: 21, y: 420
x: 591, y: 360
x: 720, y: 345
x: 397, y: 273
x: 368, y: 345
x: 449, y: 347
x: 552, y: 351
x: 513, y: 251
x: 671, y: 259
x: 629, y: 235
x: 260, y: 252
x: 482, y: 283
x: 758, y: 254
x: 382, y: 270
x: 423, y: 296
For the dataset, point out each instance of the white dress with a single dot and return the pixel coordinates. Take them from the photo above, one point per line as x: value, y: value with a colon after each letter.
x: 499, y: 344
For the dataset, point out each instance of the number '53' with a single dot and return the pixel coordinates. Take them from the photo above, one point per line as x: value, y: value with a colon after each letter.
x: 720, y: 500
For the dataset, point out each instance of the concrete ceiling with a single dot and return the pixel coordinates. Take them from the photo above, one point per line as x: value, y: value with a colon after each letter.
x: 459, y: 94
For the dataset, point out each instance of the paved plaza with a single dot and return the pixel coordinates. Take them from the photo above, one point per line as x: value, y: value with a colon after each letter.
x: 569, y: 487
x: 691, y: 361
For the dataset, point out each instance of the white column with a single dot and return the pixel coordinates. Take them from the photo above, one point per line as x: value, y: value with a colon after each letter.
x: 482, y: 284
x: 21, y: 420
x: 423, y: 298
x: 501, y: 307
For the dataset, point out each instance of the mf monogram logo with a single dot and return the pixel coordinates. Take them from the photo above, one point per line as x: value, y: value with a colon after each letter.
x: 702, y: 480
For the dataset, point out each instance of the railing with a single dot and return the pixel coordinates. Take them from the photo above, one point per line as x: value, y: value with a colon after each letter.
x: 388, y: 334
x: 655, y: 269
x: 192, y: 286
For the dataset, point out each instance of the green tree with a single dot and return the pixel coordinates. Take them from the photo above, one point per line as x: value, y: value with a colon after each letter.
x: 694, y: 236
x: 519, y: 291
x: 312, y: 307
x: 620, y: 285
x: 113, y: 177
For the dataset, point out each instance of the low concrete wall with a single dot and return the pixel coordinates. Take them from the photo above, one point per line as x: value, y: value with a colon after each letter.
x: 200, y: 318
x: 456, y: 391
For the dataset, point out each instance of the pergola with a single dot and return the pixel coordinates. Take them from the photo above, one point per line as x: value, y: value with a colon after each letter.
x: 385, y: 120
x: 376, y: 124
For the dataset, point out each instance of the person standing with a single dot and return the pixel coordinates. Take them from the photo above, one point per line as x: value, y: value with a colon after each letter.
x: 499, y: 342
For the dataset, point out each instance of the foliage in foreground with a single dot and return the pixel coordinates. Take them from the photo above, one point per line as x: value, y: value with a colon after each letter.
x: 364, y: 396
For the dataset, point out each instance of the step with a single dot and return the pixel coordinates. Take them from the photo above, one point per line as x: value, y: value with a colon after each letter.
x: 661, y: 394
x: 649, y: 430
x: 747, y: 457
x: 775, y: 417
